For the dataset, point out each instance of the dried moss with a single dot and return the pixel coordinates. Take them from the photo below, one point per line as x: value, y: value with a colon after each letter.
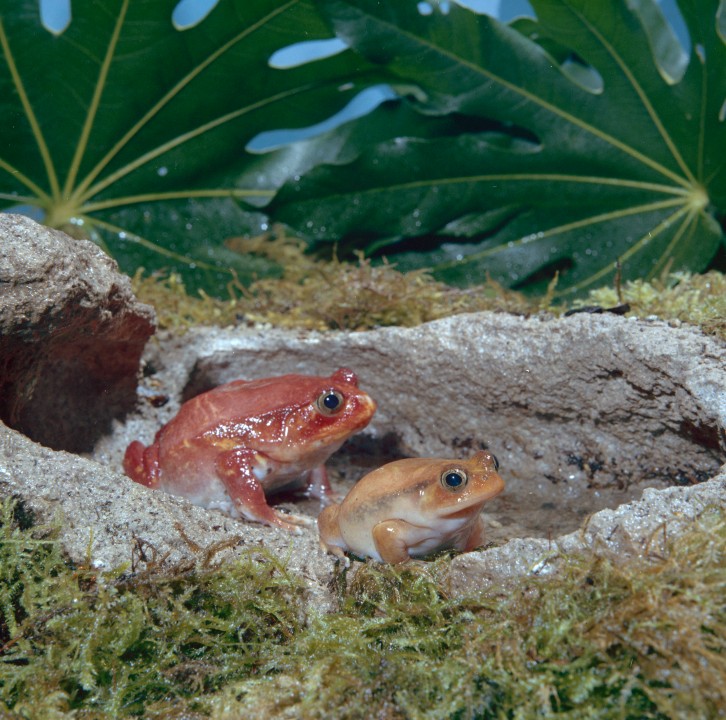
x: 321, y: 295
x: 694, y: 299
x: 600, y: 640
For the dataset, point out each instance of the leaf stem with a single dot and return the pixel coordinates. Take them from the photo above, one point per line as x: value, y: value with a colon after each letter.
x: 95, y: 101
x: 41, y: 195
x: 679, y: 192
x: 149, y: 245
x: 666, y: 255
x: 82, y: 192
x: 554, y: 109
x: 236, y: 193
x: 569, y: 227
x: 634, y: 248
x: 181, y: 139
x: 32, y: 120
x: 644, y: 100
x: 20, y: 199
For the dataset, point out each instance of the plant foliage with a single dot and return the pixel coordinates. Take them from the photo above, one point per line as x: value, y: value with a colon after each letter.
x: 131, y: 131
x: 565, y: 143
x: 586, y: 137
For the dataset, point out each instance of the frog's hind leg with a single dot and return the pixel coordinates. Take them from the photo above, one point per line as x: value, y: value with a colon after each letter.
x: 242, y: 471
x: 331, y: 539
x: 141, y: 463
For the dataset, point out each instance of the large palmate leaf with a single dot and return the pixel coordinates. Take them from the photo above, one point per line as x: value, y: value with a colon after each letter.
x: 595, y: 139
x: 134, y: 132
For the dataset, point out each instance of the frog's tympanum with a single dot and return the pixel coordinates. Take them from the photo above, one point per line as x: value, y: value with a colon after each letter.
x: 230, y: 447
x: 411, y: 508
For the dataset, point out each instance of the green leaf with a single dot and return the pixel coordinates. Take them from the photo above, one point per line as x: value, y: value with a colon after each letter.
x: 599, y: 144
x: 134, y: 131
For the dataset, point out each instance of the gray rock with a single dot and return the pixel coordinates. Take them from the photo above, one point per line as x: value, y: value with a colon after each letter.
x: 608, y: 430
x: 583, y: 413
x: 586, y: 414
x: 71, y: 335
x: 641, y: 529
x: 108, y: 520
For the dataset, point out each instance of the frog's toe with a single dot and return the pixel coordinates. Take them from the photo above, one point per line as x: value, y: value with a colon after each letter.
x: 296, y: 520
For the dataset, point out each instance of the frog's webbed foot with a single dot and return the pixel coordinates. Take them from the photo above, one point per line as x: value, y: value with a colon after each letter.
x: 297, y: 521
x: 335, y: 550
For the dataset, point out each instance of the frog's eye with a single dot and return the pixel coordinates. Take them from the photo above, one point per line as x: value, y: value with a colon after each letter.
x: 454, y: 479
x: 330, y: 402
x: 496, y: 462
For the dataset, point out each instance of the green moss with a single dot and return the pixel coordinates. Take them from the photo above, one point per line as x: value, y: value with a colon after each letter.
x: 599, y: 640
x: 694, y: 299
x: 122, y: 644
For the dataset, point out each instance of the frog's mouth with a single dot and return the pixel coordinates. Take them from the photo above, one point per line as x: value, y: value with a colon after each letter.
x: 464, y: 511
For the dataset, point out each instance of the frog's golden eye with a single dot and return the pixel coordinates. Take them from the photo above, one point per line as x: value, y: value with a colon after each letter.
x: 454, y: 479
x: 330, y: 402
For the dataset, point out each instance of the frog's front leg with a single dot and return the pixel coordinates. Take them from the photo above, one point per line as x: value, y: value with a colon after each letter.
x: 476, y: 537
x: 141, y: 463
x: 317, y: 486
x: 242, y: 472
x: 393, y: 538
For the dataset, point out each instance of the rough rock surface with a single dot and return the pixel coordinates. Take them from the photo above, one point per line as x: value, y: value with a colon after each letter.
x: 583, y: 413
x: 607, y: 429
x: 109, y: 520
x: 71, y: 335
x: 586, y: 414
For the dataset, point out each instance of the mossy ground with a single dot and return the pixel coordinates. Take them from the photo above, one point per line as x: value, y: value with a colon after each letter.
x: 322, y: 295
x: 599, y: 640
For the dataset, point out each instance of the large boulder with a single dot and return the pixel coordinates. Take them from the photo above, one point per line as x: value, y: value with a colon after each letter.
x: 71, y: 335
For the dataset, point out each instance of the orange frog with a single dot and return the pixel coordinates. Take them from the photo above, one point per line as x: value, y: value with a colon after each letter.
x: 413, y: 507
x: 230, y: 447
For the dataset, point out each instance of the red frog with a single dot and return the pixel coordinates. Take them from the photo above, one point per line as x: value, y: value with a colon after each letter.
x: 230, y: 447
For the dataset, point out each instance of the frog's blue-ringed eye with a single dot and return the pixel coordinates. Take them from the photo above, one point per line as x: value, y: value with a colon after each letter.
x: 453, y: 479
x: 330, y: 402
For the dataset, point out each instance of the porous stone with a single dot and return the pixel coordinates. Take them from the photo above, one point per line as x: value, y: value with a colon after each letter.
x: 583, y: 413
x: 108, y: 520
x: 71, y: 335
x: 607, y: 429
x: 640, y: 530
x: 610, y: 433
